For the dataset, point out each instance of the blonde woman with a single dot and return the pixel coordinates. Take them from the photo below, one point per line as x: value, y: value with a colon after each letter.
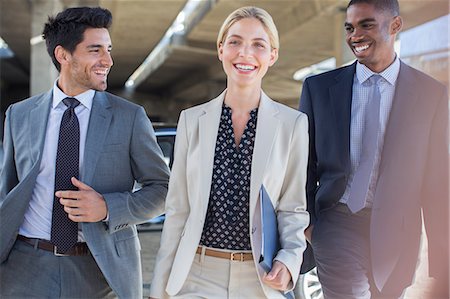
x: 225, y: 150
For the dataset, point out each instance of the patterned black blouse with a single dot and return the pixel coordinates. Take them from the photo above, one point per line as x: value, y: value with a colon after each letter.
x: 227, y: 219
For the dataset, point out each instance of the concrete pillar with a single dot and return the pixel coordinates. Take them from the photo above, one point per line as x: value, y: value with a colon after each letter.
x: 343, y: 54
x: 43, y: 73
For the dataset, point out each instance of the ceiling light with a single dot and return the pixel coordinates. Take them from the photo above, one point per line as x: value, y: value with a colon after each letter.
x: 36, y: 40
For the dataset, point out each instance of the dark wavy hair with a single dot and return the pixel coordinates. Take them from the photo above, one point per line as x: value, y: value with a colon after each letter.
x: 391, y: 6
x: 67, y: 28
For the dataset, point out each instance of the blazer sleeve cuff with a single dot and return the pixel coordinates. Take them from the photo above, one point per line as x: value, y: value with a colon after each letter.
x: 292, y: 263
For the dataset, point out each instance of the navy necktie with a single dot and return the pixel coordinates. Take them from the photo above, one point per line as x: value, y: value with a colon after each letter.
x: 361, y: 178
x: 64, y: 232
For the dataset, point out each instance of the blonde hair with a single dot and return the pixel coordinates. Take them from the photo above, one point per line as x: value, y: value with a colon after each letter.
x: 250, y: 12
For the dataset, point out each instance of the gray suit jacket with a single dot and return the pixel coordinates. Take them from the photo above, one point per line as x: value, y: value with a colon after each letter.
x: 413, y: 173
x: 120, y: 148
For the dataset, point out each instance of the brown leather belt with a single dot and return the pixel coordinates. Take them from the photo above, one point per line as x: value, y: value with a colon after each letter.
x: 79, y: 249
x: 233, y: 256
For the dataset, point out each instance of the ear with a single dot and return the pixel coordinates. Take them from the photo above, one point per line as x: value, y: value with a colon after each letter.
x: 396, y: 25
x: 273, y: 57
x: 62, y: 55
x: 220, y: 51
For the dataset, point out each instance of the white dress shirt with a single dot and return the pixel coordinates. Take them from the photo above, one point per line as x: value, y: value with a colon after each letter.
x: 361, y: 92
x: 38, y: 218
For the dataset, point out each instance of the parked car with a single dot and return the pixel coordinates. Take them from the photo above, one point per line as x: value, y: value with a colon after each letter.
x: 165, y: 135
x: 309, y: 284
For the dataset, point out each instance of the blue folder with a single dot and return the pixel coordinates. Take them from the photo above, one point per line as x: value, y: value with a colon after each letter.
x: 270, y: 241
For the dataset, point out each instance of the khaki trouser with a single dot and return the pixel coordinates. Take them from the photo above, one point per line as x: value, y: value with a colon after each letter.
x: 212, y: 277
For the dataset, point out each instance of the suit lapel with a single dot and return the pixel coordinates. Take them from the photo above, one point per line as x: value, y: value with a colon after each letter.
x: 266, y: 129
x: 37, y: 121
x: 99, y: 121
x: 341, y: 101
x: 208, y: 128
x: 404, y: 99
x: 403, y: 107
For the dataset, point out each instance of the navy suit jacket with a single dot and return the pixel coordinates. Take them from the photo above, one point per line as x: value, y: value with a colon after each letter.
x: 413, y: 174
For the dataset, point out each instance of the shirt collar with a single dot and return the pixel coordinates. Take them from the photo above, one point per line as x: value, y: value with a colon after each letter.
x: 84, y: 98
x: 390, y: 74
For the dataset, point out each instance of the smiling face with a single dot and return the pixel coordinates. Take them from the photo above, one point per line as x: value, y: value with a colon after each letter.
x: 246, y: 53
x: 370, y: 34
x: 89, y: 64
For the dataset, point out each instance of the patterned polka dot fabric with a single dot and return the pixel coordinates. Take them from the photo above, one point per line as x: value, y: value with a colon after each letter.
x: 227, y: 218
x: 64, y: 232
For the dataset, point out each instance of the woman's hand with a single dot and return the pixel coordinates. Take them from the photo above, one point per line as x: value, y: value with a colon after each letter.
x: 279, y: 277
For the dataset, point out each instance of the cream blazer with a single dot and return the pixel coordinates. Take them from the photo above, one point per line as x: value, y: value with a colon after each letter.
x: 279, y: 162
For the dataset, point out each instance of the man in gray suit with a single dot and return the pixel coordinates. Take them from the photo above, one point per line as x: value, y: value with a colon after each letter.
x: 378, y: 160
x: 79, y: 240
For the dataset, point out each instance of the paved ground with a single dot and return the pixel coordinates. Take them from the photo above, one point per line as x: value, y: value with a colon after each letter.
x: 150, y: 243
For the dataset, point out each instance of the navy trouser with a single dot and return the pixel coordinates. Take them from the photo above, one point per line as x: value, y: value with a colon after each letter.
x: 341, y: 244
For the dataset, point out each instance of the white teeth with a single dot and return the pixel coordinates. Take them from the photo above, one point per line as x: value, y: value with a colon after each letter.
x: 245, y: 67
x: 101, y: 72
x: 361, y: 48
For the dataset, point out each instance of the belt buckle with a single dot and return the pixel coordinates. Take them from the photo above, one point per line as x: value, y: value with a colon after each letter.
x: 55, y: 252
x: 241, y: 256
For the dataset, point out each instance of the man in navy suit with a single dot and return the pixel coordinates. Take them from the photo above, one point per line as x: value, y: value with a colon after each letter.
x: 378, y: 160
x: 39, y: 253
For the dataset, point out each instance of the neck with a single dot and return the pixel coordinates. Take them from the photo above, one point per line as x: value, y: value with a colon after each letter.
x: 242, y: 99
x: 382, y: 65
x: 68, y: 88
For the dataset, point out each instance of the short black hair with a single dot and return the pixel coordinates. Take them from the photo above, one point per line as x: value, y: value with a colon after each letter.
x: 391, y: 6
x: 67, y: 28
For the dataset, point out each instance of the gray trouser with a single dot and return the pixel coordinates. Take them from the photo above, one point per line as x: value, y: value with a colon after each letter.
x: 36, y: 273
x: 341, y: 244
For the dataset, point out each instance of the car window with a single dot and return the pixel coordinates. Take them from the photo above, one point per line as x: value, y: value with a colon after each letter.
x: 167, y: 143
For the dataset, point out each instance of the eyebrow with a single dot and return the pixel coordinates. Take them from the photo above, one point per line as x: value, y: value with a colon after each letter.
x: 96, y: 46
x: 254, y: 39
x: 361, y: 22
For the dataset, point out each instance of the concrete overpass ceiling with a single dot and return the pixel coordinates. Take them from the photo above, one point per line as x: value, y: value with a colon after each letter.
x: 138, y: 26
x: 181, y: 65
x: 416, y: 12
x: 303, y: 31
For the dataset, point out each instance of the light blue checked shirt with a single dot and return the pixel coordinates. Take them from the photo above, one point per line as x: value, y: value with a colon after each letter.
x: 362, y: 90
